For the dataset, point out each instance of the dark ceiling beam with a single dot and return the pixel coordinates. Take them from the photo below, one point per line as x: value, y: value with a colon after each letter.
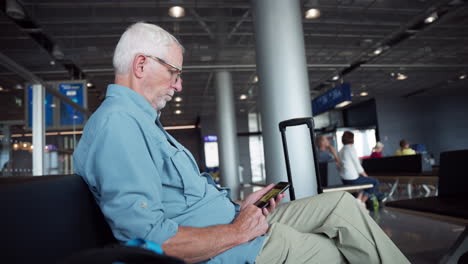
x: 201, y: 22
x: 31, y: 77
x: 252, y: 67
x: 237, y: 25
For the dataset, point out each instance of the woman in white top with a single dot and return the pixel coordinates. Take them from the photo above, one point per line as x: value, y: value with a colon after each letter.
x: 352, y: 171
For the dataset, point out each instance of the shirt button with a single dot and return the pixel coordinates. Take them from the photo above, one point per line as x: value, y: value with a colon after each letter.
x: 143, y: 204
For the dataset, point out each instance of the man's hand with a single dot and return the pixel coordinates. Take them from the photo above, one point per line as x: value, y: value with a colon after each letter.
x: 250, y: 223
x: 255, y: 196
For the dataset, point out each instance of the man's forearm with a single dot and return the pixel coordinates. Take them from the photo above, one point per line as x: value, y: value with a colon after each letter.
x: 196, y: 244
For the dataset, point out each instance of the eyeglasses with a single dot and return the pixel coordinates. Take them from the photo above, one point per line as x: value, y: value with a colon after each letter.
x: 175, y: 72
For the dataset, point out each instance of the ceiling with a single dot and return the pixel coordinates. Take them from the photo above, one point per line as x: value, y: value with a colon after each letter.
x: 219, y: 34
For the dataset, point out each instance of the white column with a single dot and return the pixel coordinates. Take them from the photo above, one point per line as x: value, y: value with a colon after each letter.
x: 38, y: 129
x: 284, y: 91
x: 227, y: 133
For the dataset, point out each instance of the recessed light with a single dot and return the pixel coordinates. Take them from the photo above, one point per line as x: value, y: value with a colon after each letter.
x: 52, y: 62
x: 312, y: 13
x: 336, y: 77
x: 378, y: 51
x: 1, y: 88
x: 177, y: 105
x: 461, y: 77
x: 401, y: 76
x: 255, y: 79
x: 433, y: 17
x: 343, y: 104
x: 89, y: 84
x: 178, y: 112
x: 19, y: 86
x: 363, y: 94
x: 176, y: 11
x: 178, y: 99
x: 243, y: 97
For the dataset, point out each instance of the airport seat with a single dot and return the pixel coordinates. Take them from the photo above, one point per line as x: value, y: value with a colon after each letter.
x: 397, y: 164
x: 331, y: 179
x: 47, y: 219
x: 451, y: 204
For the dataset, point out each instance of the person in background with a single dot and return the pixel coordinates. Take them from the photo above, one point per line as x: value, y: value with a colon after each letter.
x: 326, y: 152
x: 352, y: 171
x: 404, y: 149
x: 377, y: 150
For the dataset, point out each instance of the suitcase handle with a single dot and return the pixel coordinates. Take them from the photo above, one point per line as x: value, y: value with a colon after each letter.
x: 309, y: 121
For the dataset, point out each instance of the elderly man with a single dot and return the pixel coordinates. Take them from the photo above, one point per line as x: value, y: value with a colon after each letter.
x: 149, y: 186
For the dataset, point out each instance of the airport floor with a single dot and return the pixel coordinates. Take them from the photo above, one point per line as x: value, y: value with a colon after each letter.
x: 421, y: 239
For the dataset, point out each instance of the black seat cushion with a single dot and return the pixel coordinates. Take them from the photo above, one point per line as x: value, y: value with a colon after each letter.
x: 48, y: 218
x: 447, y: 206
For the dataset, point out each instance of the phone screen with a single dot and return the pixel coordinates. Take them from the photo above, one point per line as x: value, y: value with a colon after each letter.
x: 279, y: 188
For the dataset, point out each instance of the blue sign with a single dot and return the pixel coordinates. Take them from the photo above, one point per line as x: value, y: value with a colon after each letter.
x: 68, y: 115
x: 49, y: 107
x: 211, y: 138
x: 331, y: 98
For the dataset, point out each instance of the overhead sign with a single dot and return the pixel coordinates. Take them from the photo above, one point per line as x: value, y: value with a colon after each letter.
x: 331, y: 99
x: 211, y: 138
x: 68, y: 114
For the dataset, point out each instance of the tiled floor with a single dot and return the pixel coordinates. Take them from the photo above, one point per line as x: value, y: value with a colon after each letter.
x: 421, y: 239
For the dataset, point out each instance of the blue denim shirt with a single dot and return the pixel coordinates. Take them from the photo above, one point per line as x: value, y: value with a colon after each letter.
x: 145, y: 182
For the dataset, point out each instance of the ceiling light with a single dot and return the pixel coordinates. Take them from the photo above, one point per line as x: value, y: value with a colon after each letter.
x: 343, y: 104
x: 176, y: 11
x: 178, y: 99
x: 52, y: 105
x: 19, y: 86
x: 312, y: 13
x: 1, y: 88
x: 433, y: 17
x: 177, y: 105
x: 378, y: 51
x: 178, y: 112
x: 461, y: 77
x: 243, y: 97
x: 363, y: 94
x: 52, y: 62
x: 255, y: 79
x: 401, y: 76
x: 336, y: 77
x: 89, y: 85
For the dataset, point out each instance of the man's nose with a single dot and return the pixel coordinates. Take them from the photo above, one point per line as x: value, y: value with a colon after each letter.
x: 178, y: 85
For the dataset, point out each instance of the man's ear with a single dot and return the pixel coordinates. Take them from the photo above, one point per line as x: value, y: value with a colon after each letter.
x: 139, y: 64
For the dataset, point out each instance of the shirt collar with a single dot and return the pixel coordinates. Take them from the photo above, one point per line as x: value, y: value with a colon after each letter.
x: 115, y: 90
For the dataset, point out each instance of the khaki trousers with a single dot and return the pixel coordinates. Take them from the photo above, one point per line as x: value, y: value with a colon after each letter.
x: 327, y: 228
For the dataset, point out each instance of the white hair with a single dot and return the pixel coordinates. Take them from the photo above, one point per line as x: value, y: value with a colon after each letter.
x: 142, y: 38
x: 378, y: 145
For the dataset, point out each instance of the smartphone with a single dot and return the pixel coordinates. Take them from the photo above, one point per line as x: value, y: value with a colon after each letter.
x: 265, y: 200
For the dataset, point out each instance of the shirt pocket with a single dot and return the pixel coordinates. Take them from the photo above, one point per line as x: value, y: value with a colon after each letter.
x: 193, y: 185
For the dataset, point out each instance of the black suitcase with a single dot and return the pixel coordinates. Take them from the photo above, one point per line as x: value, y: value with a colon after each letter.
x: 309, y: 121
